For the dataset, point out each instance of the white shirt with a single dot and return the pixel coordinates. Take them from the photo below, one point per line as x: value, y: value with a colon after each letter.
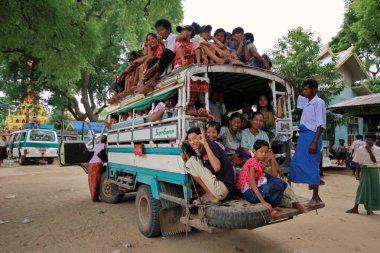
x: 356, y: 145
x: 362, y: 156
x: 313, y: 114
x: 3, y: 144
x: 159, y: 106
x: 170, y: 42
x: 217, y: 110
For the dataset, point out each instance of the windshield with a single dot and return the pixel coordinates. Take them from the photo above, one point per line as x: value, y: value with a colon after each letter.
x: 38, y: 135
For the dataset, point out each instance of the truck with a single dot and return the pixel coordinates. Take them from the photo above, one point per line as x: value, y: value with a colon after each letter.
x: 144, y: 157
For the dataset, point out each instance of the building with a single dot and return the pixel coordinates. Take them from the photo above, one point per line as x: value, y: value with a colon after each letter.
x: 29, y: 111
x: 354, y: 75
x: 366, y: 108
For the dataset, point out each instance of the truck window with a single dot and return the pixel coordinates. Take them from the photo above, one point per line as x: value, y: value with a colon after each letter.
x: 37, y: 135
x: 22, y: 136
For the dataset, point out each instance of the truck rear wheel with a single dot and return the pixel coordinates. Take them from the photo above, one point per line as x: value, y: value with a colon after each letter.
x: 50, y: 160
x: 21, y: 160
x: 148, y: 212
x: 109, y: 192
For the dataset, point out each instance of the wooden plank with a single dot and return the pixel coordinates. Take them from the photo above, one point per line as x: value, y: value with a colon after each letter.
x: 290, y: 212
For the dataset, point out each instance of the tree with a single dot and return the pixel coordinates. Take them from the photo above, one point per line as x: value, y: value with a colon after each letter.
x: 68, y: 47
x: 5, y: 106
x: 361, y: 29
x: 296, y: 56
x: 57, y: 117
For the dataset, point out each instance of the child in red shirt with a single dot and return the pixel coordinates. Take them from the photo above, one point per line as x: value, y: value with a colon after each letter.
x: 255, y: 187
x: 185, y: 49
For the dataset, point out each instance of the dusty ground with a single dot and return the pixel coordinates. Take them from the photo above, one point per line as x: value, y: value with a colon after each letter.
x: 63, y: 219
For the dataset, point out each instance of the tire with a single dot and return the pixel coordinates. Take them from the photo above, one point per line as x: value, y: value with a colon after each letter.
x: 109, y: 192
x: 148, y: 212
x: 50, y: 160
x: 22, y: 160
x: 237, y: 214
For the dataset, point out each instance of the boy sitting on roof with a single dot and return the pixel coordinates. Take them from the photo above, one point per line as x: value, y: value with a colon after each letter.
x: 164, y: 30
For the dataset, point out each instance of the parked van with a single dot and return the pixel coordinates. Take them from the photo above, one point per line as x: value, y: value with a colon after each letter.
x: 33, y: 144
x: 145, y: 156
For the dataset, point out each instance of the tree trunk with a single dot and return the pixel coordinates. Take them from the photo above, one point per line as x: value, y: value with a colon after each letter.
x: 85, y: 100
x: 78, y: 115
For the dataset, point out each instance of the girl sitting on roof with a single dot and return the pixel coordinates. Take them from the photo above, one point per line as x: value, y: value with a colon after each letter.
x: 185, y: 50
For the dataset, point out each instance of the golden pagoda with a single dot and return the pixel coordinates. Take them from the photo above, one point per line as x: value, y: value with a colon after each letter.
x: 30, y: 111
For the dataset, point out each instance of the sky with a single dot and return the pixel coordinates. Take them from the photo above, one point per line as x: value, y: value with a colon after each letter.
x: 268, y: 20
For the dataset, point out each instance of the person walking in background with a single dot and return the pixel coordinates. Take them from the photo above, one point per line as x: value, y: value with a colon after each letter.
x: 367, y: 172
x: 3, y: 149
x: 353, y: 148
x: 304, y: 166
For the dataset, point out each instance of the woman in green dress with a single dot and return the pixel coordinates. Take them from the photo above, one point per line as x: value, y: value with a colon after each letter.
x: 367, y: 171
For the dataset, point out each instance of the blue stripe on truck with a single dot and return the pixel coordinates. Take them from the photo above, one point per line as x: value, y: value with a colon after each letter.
x: 152, y: 177
x: 149, y: 151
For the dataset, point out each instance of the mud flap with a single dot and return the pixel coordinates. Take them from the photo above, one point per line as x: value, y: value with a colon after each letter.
x: 170, y: 221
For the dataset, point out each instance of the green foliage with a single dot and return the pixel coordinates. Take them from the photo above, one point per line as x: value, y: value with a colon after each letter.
x: 5, y: 105
x: 374, y: 85
x: 57, y: 117
x: 296, y: 56
x: 361, y: 29
x: 51, y: 45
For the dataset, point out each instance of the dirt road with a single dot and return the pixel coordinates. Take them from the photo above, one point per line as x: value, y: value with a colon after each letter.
x: 63, y: 219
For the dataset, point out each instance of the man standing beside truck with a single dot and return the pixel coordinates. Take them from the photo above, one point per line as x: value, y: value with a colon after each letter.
x: 304, y: 166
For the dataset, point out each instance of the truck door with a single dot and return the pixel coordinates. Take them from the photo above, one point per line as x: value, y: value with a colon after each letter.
x: 16, y: 145
x: 78, y: 151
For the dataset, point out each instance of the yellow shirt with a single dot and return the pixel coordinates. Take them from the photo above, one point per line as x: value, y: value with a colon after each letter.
x: 268, y: 118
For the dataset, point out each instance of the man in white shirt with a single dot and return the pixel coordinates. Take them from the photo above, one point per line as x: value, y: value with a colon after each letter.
x: 357, y: 144
x: 164, y: 30
x: 167, y: 106
x: 367, y: 171
x: 217, y: 107
x: 304, y: 166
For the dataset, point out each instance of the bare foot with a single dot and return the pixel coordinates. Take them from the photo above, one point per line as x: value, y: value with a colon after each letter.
x: 352, y: 210
x: 274, y: 214
x: 143, y: 89
x: 221, y: 61
x: 149, y: 73
x: 300, y: 207
x: 237, y: 63
x: 312, y: 202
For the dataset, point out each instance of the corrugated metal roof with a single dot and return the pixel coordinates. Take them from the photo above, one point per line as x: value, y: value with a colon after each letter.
x: 373, y: 99
x: 85, y: 126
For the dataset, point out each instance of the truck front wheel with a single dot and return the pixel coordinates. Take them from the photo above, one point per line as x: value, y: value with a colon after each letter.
x: 148, y: 212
